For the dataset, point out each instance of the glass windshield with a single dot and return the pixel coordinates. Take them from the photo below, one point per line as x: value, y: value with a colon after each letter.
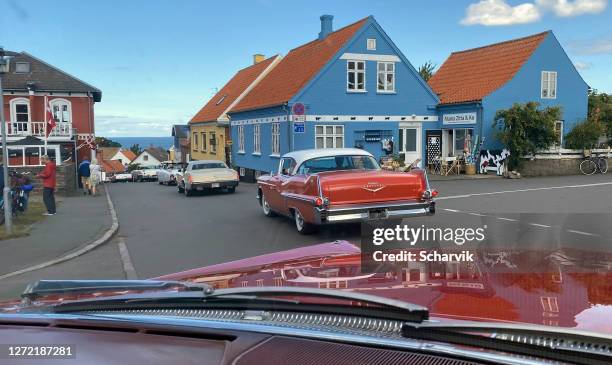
x: 332, y: 163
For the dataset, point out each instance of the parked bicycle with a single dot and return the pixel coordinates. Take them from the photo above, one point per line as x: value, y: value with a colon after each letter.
x: 21, y: 187
x: 593, y: 164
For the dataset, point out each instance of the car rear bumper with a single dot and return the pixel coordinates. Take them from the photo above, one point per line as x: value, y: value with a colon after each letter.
x: 213, y: 185
x: 388, y: 210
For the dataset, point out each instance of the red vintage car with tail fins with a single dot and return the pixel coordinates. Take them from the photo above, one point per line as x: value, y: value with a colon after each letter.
x: 339, y: 185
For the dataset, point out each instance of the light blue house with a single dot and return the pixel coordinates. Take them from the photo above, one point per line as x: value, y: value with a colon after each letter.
x: 474, y: 84
x: 348, y: 88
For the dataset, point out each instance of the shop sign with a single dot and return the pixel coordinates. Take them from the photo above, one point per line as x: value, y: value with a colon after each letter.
x: 460, y: 118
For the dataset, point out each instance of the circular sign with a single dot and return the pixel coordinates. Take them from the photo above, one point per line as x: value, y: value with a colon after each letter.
x: 298, y: 109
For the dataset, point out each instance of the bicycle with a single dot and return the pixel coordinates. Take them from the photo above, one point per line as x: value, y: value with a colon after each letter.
x: 18, y: 195
x: 593, y: 164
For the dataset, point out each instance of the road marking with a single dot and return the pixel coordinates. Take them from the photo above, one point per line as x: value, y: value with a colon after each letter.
x: 126, y: 260
x: 522, y: 190
x: 539, y: 225
x: 507, y: 219
x: 582, y: 233
x: 452, y: 210
x: 477, y: 214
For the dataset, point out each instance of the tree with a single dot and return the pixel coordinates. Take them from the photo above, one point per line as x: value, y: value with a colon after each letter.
x: 105, y: 142
x: 427, y: 70
x: 584, y: 135
x: 600, y: 110
x: 524, y: 129
x: 136, y: 149
x: 133, y: 166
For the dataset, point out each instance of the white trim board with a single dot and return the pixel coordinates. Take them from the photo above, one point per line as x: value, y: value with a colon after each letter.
x: 370, y: 57
x: 342, y: 119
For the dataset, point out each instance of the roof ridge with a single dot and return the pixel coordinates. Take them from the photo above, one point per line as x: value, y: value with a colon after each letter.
x: 503, y: 42
x: 335, y: 31
x: 255, y: 64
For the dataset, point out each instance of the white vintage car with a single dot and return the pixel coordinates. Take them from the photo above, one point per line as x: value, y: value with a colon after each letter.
x: 167, y: 175
x: 121, y: 177
x: 206, y: 175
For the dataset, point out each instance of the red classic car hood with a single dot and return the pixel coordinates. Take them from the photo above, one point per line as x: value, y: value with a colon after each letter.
x: 565, y: 288
x: 348, y: 187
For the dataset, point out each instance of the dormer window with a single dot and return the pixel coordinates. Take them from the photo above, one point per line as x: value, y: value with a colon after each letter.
x: 371, y: 44
x: 549, y: 85
x: 22, y: 67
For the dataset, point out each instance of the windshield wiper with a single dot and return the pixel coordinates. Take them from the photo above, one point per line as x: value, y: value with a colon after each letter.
x: 50, y: 287
x: 270, y: 298
x: 558, y: 344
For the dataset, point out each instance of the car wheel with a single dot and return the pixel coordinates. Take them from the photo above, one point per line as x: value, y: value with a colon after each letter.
x: 265, y: 207
x: 301, y: 225
x: 231, y: 189
x: 188, y: 192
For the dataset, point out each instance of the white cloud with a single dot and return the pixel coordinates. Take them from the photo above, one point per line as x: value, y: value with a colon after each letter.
x: 596, y: 46
x: 498, y: 12
x: 582, y: 65
x: 566, y: 8
x: 126, y: 126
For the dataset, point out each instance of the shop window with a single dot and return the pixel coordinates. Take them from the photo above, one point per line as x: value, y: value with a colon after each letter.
x: 408, y: 139
x: 203, y: 135
x: 213, y: 142
x: 355, y: 76
x: 256, y: 138
x: 329, y: 136
x: 276, y: 139
x: 461, y: 140
x: 241, y: 139
x: 386, y: 77
x: 549, y: 85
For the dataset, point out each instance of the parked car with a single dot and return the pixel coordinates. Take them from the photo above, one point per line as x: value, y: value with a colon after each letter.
x: 121, y: 177
x: 145, y: 173
x: 207, y: 174
x: 326, y: 186
x: 168, y: 173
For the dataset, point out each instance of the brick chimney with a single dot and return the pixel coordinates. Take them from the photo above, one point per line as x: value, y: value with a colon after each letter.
x: 326, y: 26
x: 258, y: 58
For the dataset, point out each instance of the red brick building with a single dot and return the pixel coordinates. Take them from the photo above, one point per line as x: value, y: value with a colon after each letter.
x: 28, y: 83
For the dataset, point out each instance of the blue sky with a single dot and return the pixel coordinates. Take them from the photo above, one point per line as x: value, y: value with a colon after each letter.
x: 157, y: 62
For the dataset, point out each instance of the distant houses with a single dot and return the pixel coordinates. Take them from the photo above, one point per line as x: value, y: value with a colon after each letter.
x: 152, y: 156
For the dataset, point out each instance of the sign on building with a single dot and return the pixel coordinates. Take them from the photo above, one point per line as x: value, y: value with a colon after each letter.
x: 459, y: 118
x: 299, y: 127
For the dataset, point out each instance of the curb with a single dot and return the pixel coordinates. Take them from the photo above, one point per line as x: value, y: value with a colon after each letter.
x: 80, y: 251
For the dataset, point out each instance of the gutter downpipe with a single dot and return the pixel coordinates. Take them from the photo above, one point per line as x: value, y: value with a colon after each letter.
x: 291, y: 136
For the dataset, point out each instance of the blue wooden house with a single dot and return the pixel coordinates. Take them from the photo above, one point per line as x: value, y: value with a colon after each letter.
x: 474, y: 84
x: 348, y: 88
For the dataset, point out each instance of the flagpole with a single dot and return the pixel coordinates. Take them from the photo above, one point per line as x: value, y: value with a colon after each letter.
x: 46, y: 136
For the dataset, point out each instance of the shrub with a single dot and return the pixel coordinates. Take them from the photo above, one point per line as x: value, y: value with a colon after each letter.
x: 584, y: 135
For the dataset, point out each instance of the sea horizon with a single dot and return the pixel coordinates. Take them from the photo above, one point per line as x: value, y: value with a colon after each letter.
x: 144, y: 142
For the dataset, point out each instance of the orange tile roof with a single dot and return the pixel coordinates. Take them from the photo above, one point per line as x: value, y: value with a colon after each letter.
x: 296, y: 69
x: 129, y: 154
x: 230, y: 92
x: 472, y: 74
x: 112, y: 166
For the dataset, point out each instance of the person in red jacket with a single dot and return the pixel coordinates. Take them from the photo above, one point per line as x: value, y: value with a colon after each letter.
x: 48, y: 177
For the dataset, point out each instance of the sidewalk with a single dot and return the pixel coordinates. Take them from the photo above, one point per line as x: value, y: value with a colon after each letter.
x: 433, y: 177
x: 79, y: 220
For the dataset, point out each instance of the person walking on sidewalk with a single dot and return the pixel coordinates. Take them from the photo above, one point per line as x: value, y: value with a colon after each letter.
x: 48, y: 177
x: 84, y: 172
x: 94, y: 176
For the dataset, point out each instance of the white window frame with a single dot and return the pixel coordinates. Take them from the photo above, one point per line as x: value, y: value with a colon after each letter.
x: 548, y: 85
x: 257, y: 139
x: 371, y: 44
x: 41, y: 151
x: 203, y: 144
x: 59, y: 103
x: 356, y: 72
x: 275, y: 127
x: 194, y: 146
x: 560, y: 140
x: 337, y: 132
x: 241, y: 139
x: 213, y: 142
x: 455, y: 151
x: 13, y: 107
x: 385, y: 73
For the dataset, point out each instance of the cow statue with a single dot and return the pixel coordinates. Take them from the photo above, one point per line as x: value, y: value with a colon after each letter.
x: 492, y: 159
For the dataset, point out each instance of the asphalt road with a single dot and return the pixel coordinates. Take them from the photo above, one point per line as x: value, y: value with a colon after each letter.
x: 167, y: 232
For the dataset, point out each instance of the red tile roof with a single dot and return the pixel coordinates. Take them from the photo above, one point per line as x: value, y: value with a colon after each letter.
x: 231, y: 91
x: 129, y: 154
x: 472, y: 74
x: 296, y: 69
x: 112, y: 166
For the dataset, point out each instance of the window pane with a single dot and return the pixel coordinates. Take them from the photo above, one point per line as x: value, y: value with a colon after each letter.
x: 319, y: 129
x: 351, y: 65
x: 21, y: 108
x: 381, y: 81
x: 329, y: 129
x: 329, y: 142
x: 390, y: 66
x: 360, y: 65
x: 339, y: 142
x: 411, y: 140
x: 351, y: 81
x: 339, y: 129
x: 319, y: 142
x: 381, y: 66
x: 360, y: 81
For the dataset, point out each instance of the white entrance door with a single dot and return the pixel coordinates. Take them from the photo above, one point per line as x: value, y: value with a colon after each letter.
x: 410, y: 143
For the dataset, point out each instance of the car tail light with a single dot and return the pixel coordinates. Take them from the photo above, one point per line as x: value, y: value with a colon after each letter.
x: 434, y: 193
x: 318, y: 201
x: 190, y: 179
x: 429, y: 194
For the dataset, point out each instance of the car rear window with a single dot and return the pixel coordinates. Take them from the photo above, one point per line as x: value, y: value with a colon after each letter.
x: 210, y: 165
x: 332, y: 163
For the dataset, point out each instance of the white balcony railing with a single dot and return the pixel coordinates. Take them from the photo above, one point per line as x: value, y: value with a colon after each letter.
x: 37, y: 129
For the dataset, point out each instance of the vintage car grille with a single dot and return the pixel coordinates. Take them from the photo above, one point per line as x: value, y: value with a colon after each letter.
x: 327, y: 322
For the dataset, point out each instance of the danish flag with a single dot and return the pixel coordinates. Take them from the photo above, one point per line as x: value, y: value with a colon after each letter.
x: 49, y: 120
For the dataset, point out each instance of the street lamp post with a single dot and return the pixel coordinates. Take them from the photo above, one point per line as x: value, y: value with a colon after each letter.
x: 8, y: 215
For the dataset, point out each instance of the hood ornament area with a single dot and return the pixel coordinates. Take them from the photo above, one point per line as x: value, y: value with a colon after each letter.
x: 373, y: 187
